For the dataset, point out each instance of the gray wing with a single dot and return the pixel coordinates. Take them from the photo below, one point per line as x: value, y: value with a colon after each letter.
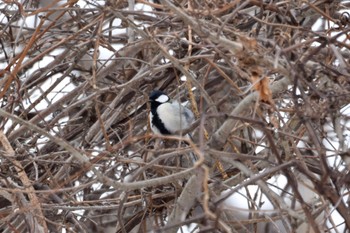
x: 188, y: 115
x: 182, y: 117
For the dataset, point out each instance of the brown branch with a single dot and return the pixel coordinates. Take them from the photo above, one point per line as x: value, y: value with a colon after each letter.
x: 33, y: 211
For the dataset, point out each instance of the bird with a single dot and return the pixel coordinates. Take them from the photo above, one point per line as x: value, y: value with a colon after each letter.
x: 168, y: 117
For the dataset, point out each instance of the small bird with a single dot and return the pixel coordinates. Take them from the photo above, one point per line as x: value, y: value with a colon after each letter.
x: 168, y: 117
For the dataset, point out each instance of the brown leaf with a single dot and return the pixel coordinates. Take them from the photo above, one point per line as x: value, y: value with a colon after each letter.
x: 261, y: 85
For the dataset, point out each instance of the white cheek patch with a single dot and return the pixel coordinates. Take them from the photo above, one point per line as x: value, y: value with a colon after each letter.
x: 162, y: 99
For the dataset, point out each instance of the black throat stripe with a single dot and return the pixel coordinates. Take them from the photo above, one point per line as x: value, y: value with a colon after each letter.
x: 156, y: 121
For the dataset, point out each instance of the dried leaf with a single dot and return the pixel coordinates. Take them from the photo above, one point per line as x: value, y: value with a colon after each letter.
x: 261, y: 85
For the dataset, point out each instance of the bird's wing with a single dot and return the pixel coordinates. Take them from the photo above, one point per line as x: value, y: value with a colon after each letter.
x: 188, y: 115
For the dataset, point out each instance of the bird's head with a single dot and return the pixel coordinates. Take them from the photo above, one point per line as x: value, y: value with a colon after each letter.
x: 158, y: 97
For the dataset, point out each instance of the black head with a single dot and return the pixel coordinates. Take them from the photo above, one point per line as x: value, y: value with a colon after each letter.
x: 159, y: 97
